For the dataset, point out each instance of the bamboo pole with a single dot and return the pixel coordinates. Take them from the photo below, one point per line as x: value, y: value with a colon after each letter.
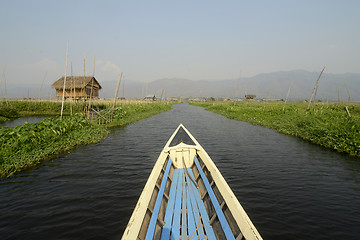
x: 317, y: 81
x: 5, y: 91
x: 42, y: 84
x: 84, y: 80
x: 115, y: 95
x: 91, y: 90
x: 347, y: 110
x: 3, y: 74
x: 72, y: 83
x: 287, y: 95
x: 162, y: 92
x: 123, y: 87
x: 63, y: 96
x: 347, y: 89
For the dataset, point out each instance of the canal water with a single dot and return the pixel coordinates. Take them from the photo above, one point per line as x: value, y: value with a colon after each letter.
x: 22, y: 120
x: 290, y: 189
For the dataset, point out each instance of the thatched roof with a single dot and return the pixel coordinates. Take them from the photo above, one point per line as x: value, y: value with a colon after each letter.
x: 76, y: 82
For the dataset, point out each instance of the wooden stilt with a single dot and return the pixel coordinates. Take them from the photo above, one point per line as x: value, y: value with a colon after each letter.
x: 91, y: 90
x: 63, y: 96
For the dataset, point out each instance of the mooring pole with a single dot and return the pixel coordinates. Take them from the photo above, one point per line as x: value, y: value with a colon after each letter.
x: 63, y: 96
x: 315, y: 88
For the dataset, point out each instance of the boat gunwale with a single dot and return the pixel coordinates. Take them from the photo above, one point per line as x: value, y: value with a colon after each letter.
x: 135, y: 223
x: 241, y: 218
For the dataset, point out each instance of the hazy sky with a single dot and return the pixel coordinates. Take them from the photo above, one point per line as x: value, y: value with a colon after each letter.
x: 197, y: 39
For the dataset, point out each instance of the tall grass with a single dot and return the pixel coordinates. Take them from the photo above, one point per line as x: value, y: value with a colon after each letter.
x: 326, y: 124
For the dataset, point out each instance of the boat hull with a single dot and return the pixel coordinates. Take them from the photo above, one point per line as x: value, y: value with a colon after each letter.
x: 186, y: 196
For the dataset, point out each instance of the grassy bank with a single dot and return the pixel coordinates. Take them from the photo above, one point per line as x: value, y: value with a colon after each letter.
x: 21, y: 108
x: 25, y: 146
x: 326, y: 124
x: 130, y: 113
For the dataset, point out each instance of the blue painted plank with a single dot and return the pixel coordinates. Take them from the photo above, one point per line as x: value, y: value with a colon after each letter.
x: 151, y: 229
x: 201, y: 207
x: 190, y: 213
x: 165, y: 233
x: 184, y: 226
x: 196, y: 213
x: 175, y: 228
x: 224, y: 224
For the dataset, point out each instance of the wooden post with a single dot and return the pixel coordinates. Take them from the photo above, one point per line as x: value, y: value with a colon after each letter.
x: 84, y: 80
x: 5, y: 92
x: 162, y: 92
x: 287, y: 95
x: 317, y: 81
x: 41, y: 86
x: 115, y: 95
x: 347, y: 89
x: 3, y: 74
x: 91, y: 90
x: 72, y: 83
x: 63, y: 96
x: 347, y: 110
x: 123, y: 87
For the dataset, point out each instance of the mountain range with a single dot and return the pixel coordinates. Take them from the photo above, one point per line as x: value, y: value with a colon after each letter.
x: 273, y: 85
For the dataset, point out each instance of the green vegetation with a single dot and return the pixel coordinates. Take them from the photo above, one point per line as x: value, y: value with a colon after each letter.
x: 19, y: 108
x: 25, y: 146
x: 130, y: 113
x: 326, y: 124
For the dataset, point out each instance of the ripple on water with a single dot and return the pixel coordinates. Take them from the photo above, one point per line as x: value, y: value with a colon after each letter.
x: 289, y: 188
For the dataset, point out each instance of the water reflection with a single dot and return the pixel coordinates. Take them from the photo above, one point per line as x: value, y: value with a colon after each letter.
x: 21, y: 121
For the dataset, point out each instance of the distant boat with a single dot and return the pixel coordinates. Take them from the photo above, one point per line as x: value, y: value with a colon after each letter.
x: 186, y: 197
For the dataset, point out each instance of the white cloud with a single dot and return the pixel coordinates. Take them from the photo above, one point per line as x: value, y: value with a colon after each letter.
x: 111, y: 67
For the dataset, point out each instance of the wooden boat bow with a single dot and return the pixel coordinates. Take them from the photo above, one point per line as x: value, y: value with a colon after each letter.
x: 186, y: 197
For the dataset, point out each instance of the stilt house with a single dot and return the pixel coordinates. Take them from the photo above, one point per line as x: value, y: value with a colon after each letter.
x: 250, y: 97
x: 77, y: 87
x: 150, y: 97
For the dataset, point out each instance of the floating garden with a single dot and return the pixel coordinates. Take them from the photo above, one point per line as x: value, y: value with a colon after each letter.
x: 26, y: 145
x: 332, y: 125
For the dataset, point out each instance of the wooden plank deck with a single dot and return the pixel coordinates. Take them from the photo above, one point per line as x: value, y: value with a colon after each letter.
x: 186, y: 216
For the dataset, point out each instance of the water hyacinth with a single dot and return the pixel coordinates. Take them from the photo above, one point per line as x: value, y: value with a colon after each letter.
x: 25, y: 146
x: 326, y: 124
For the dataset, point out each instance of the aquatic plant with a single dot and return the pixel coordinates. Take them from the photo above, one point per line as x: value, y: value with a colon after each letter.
x: 25, y: 146
x: 129, y: 113
x: 326, y: 124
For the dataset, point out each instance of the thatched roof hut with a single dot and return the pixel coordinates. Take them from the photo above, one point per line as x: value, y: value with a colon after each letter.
x: 77, y: 87
x: 250, y: 97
